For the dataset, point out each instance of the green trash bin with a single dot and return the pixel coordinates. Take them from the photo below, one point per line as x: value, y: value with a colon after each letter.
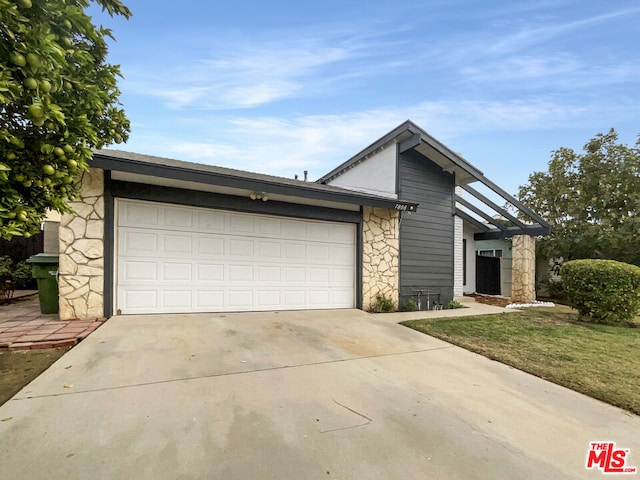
x: 44, y: 268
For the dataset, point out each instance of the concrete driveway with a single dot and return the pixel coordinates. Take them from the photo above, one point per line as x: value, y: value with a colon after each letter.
x: 295, y: 395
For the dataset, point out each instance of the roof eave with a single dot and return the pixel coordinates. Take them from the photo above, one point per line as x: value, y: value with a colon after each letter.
x: 108, y: 162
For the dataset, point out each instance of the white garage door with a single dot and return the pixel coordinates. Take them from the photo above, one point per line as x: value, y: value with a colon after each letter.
x: 174, y: 259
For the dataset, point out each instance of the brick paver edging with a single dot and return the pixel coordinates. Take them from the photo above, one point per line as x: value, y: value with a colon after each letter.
x: 51, y: 334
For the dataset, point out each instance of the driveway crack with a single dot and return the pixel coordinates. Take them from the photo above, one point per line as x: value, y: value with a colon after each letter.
x: 241, y: 372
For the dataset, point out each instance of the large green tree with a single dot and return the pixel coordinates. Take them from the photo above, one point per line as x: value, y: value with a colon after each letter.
x: 58, y: 100
x: 592, y: 199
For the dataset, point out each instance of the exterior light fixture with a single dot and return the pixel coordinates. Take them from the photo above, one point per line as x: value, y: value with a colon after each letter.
x: 259, y: 196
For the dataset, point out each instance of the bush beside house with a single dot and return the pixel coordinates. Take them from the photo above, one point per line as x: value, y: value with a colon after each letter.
x: 605, y: 290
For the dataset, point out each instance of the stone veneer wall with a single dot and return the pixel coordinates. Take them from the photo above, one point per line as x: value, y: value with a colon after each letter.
x: 381, y: 245
x: 81, y: 271
x: 523, y: 287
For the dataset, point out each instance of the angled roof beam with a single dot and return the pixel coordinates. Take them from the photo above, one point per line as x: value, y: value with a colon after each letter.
x: 465, y: 216
x: 522, y: 207
x: 534, y: 231
x: 498, y: 209
x: 411, y: 142
x: 479, y: 212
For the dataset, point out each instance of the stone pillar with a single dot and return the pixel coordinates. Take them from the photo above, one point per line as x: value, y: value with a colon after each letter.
x: 381, y: 244
x: 523, y: 288
x: 81, y: 271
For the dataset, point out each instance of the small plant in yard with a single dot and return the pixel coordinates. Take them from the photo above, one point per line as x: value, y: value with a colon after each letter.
x: 384, y: 304
x: 555, y: 290
x: 6, y: 285
x: 604, y: 290
x: 454, y: 304
x: 409, y: 305
x: 12, y: 277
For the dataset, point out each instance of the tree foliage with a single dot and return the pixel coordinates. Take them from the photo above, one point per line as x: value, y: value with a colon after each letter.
x: 592, y: 199
x: 58, y: 100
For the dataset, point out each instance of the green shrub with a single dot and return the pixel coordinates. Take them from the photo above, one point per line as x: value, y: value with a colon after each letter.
x: 555, y: 290
x: 409, y: 305
x: 6, y: 283
x: 384, y: 304
x: 13, y: 277
x: 22, y: 275
x: 454, y: 304
x: 605, y: 290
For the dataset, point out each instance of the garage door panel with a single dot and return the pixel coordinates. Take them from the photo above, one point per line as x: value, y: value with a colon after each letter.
x: 318, y: 232
x: 341, y: 296
x: 240, y: 299
x: 318, y: 298
x: 295, y: 298
x: 268, y: 227
x: 176, y: 299
x: 342, y: 277
x: 240, y: 223
x: 318, y: 275
x: 269, y: 274
x: 211, y: 300
x: 177, y: 217
x: 133, y: 214
x: 209, y: 272
x: 269, y: 299
x: 210, y: 247
x: 209, y: 221
x: 294, y: 274
x: 187, y: 259
x: 240, y: 248
x: 177, y: 245
x: 294, y: 251
x: 341, y: 235
x: 139, y: 243
x: 318, y: 253
x: 270, y: 250
x: 140, y: 270
x: 293, y: 230
x: 240, y: 273
x: 177, y: 272
x: 341, y: 254
x: 138, y: 300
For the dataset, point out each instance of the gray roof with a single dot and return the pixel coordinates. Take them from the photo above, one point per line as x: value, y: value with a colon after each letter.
x: 118, y: 160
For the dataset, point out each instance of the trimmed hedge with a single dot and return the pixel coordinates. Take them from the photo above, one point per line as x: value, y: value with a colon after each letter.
x: 605, y: 290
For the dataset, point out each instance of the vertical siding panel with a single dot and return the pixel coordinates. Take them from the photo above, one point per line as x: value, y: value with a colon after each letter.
x: 428, y: 234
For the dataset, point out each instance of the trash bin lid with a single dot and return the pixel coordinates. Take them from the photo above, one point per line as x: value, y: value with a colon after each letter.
x: 43, y: 258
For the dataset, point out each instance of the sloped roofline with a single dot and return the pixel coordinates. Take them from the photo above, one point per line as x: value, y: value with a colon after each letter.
x: 404, y: 131
x: 118, y: 160
x: 409, y: 136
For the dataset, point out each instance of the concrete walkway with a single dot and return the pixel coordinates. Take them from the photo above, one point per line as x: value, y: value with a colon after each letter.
x: 22, y: 326
x: 295, y: 395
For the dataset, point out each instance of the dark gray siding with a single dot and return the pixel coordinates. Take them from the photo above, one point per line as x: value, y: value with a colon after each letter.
x: 426, y: 236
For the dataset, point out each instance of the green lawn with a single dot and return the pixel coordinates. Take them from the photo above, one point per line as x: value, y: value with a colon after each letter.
x: 597, y: 360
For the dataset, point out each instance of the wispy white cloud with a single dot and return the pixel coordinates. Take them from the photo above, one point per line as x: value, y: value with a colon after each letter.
x: 253, y: 73
x: 523, y: 68
x: 550, y: 73
x: 317, y: 143
x: 534, y: 33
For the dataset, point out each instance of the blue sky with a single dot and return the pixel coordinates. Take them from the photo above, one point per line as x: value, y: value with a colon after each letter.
x: 284, y: 86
